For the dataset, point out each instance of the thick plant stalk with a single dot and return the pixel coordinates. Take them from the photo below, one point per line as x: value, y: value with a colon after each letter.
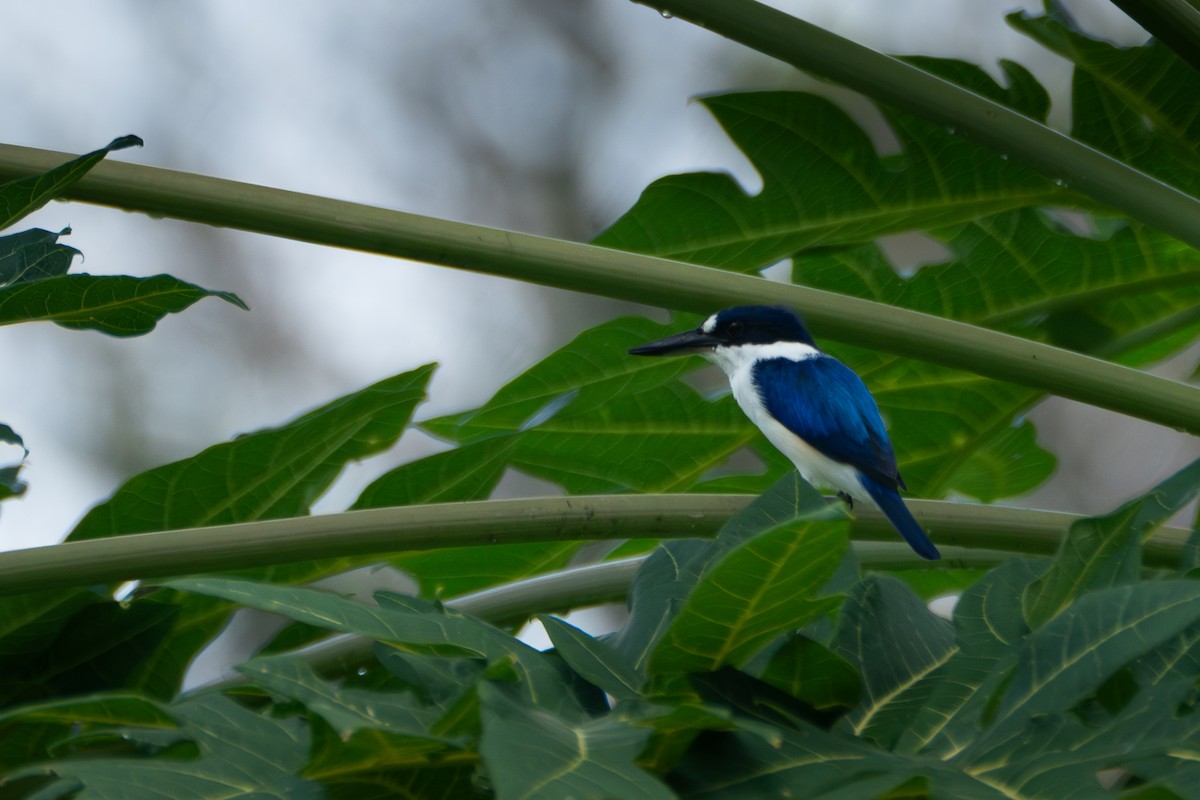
x: 625, y: 276
x: 603, y: 517
x: 1176, y: 23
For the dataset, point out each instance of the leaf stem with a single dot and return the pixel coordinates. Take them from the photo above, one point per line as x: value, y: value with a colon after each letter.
x: 226, y: 548
x: 1176, y: 23
x: 626, y: 276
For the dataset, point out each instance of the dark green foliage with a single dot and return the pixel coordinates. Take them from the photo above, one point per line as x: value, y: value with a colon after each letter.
x: 764, y: 663
x: 34, y: 284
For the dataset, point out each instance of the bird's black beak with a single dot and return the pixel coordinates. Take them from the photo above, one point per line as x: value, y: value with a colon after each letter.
x: 681, y: 344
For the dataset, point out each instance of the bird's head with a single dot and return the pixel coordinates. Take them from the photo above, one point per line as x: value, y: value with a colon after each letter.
x: 750, y: 327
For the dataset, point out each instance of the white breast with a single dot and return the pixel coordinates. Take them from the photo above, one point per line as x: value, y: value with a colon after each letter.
x: 817, y: 469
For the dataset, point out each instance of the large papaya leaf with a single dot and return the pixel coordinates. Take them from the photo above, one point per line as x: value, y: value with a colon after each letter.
x: 1131, y: 295
x: 1134, y: 103
x: 22, y: 197
x: 591, y: 418
x: 1107, y: 551
x: 824, y: 183
x: 269, y: 474
x: 239, y: 753
x: 412, y: 624
x: 531, y: 754
x: 766, y: 586
x: 663, y: 585
x: 1017, y: 272
x: 893, y: 640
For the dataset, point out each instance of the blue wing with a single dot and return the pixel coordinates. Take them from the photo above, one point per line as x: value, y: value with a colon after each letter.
x: 827, y: 405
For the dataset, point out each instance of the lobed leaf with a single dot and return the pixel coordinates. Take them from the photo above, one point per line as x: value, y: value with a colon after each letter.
x: 663, y: 583
x: 534, y: 755
x: 269, y: 474
x: 824, y: 184
x: 897, y: 646
x: 764, y: 587
x: 594, y: 660
x: 1101, y: 552
x: 1130, y: 102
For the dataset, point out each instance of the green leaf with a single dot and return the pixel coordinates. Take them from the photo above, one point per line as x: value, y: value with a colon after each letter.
x: 662, y: 584
x: 662, y: 439
x: 346, y: 709
x: 364, y: 730
x: 584, y: 375
x: 1019, y: 273
x: 594, y: 660
x: 269, y: 474
x: 807, y: 763
x: 11, y: 484
x: 118, y: 305
x: 1068, y: 658
x: 34, y: 255
x: 823, y: 185
x: 241, y: 754
x: 411, y: 624
x: 897, y: 645
x: 76, y: 643
x: 530, y: 754
x: 428, y: 634
x: 22, y: 197
x: 593, y: 419
x: 812, y: 673
x: 1130, y: 102
x: 469, y: 472
x: 989, y: 625
x: 1099, y: 552
x: 769, y: 584
x: 30, y: 732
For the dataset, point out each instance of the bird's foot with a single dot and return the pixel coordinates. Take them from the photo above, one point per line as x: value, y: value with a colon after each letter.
x: 849, y: 500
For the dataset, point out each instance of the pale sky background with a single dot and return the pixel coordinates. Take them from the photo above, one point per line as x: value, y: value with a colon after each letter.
x: 537, y: 115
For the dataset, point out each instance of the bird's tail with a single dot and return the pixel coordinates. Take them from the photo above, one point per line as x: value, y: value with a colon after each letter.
x: 892, y: 506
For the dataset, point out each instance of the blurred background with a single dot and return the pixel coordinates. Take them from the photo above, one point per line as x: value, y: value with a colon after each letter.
x: 542, y: 116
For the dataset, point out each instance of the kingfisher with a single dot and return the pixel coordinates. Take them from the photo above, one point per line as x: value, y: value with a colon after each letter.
x: 810, y: 406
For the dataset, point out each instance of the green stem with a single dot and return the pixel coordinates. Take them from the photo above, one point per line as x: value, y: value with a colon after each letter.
x: 626, y: 276
x: 603, y: 517
x: 1176, y: 23
x: 590, y: 585
x: 911, y: 89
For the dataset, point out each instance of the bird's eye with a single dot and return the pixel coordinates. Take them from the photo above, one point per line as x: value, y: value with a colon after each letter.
x: 735, y: 329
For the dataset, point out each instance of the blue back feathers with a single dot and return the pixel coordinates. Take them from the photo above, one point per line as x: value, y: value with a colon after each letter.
x: 823, y: 402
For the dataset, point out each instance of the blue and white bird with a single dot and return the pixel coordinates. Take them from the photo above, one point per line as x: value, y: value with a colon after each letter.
x: 811, y: 406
